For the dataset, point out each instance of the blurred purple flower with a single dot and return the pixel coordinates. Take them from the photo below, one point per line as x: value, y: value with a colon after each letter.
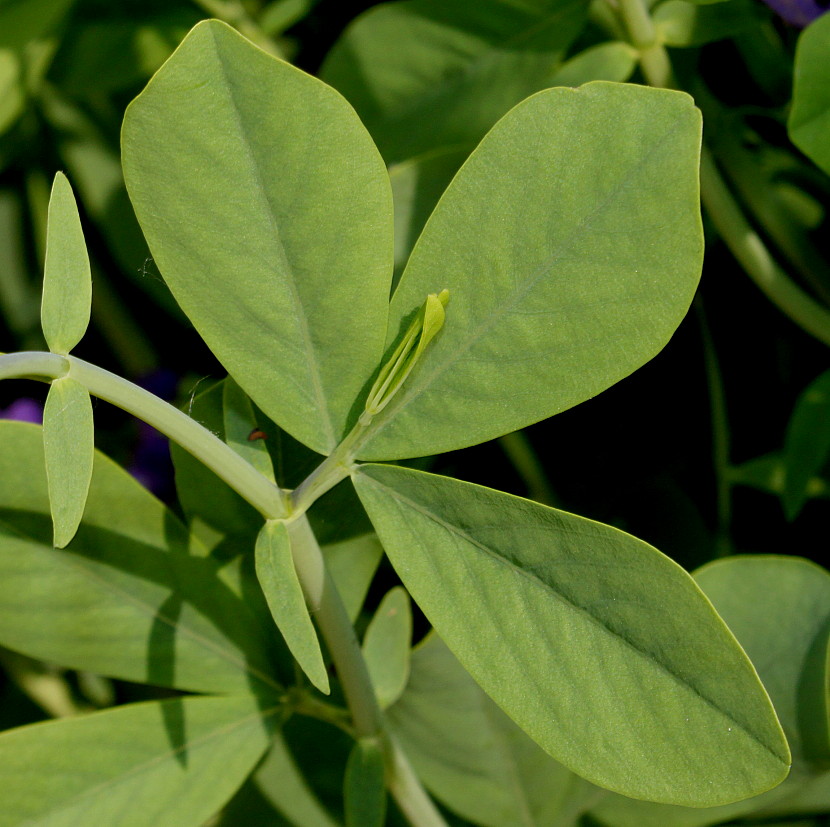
x: 24, y: 410
x: 799, y: 12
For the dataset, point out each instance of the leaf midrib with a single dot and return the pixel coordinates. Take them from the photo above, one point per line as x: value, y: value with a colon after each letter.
x: 537, y: 584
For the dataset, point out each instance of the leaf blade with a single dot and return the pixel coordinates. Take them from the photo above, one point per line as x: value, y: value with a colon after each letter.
x: 279, y: 290
x: 520, y: 591
x: 67, y: 279
x: 386, y: 646
x: 69, y: 449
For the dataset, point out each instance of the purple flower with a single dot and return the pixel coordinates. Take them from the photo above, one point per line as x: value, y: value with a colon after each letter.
x: 24, y: 410
x: 799, y: 12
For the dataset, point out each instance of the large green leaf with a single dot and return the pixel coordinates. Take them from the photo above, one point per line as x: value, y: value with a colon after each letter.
x: 431, y: 73
x: 268, y: 211
x: 67, y: 280
x: 127, y: 599
x: 68, y: 450
x: 472, y: 756
x: 809, y: 122
x: 602, y: 649
x: 779, y: 609
x: 568, y: 266
x: 159, y: 764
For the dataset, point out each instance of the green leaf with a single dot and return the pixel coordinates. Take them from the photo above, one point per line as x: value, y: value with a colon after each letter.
x: 68, y: 449
x: 386, y: 646
x: 561, y: 284
x: 352, y: 564
x: 277, y: 795
x: 809, y: 121
x: 683, y: 24
x: 807, y: 443
x: 431, y: 73
x: 472, y: 756
x: 67, y: 281
x: 779, y: 609
x: 282, y: 589
x: 613, y: 61
x: 12, y: 95
x: 269, y: 213
x: 241, y: 430
x: 127, y: 599
x: 363, y: 786
x: 563, y: 622
x: 161, y: 764
x: 25, y: 20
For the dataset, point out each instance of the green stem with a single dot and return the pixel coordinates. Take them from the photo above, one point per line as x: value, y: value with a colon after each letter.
x: 205, y: 446
x: 523, y: 458
x: 654, y: 60
x: 408, y: 793
x: 748, y: 248
x: 720, y: 434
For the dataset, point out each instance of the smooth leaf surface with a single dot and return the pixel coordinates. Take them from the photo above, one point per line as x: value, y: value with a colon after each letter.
x: 807, y: 443
x: 128, y: 599
x: 809, y: 121
x: 472, y: 756
x: 363, y: 787
x: 278, y: 578
x: 779, y: 609
x: 424, y: 74
x: 386, y: 646
x: 67, y: 280
x: 68, y: 449
x: 268, y: 212
x: 563, y: 622
x: 568, y: 266
x: 160, y: 764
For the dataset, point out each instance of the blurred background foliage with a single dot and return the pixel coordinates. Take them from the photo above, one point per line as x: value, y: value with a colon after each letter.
x: 718, y: 446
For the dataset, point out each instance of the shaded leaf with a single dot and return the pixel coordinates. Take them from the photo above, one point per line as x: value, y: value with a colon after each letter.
x: 268, y: 212
x: 127, y: 599
x: 807, y: 444
x: 68, y: 450
x: 561, y: 284
x: 386, y: 646
x: 809, y: 121
x: 242, y: 432
x: 352, y: 564
x: 363, y: 787
x: 67, y: 281
x: 282, y: 589
x: 563, y: 622
x: 424, y: 74
x: 614, y: 61
x: 683, y: 24
x: 161, y: 764
x: 472, y: 756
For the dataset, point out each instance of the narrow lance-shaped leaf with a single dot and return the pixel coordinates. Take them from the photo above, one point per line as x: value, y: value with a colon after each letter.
x: 363, y: 786
x: 268, y: 211
x: 67, y: 281
x: 241, y: 431
x: 281, y: 586
x: 172, y: 763
x: 386, y: 646
x: 69, y: 449
x: 563, y: 622
x: 569, y: 266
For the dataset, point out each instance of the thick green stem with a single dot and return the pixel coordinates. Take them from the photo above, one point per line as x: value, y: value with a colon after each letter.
x: 408, y: 793
x: 654, y: 60
x: 205, y: 446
